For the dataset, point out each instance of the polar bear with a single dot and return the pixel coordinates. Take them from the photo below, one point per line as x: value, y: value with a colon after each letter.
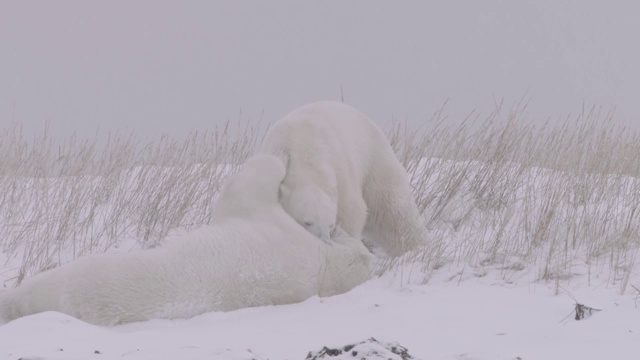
x: 341, y: 170
x: 254, y: 254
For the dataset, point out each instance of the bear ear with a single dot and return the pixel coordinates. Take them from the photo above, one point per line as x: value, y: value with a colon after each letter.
x: 284, y: 191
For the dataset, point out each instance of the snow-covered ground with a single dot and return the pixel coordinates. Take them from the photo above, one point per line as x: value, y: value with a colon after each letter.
x: 480, y: 317
x: 516, y: 303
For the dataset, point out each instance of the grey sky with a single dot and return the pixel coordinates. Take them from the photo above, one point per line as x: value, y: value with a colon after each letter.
x: 176, y: 66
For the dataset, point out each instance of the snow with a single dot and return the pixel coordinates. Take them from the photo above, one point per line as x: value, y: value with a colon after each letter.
x: 482, y: 317
x: 457, y: 312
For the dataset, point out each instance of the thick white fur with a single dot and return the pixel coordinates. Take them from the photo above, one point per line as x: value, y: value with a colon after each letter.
x: 341, y: 171
x: 255, y: 254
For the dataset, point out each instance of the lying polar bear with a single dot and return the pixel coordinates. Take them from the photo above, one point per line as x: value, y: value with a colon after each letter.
x: 342, y: 171
x: 254, y: 254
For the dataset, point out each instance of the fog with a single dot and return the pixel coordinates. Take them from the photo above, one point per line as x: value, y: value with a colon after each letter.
x: 165, y: 66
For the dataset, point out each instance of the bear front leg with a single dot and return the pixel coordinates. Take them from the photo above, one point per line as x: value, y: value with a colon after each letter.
x: 352, y: 216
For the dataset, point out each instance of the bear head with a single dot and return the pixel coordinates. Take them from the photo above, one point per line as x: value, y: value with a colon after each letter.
x: 312, y: 208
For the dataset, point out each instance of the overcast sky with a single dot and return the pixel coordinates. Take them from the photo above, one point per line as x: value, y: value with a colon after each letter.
x: 175, y: 66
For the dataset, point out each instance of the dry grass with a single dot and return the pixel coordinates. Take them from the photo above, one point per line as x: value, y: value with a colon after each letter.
x: 560, y: 198
x: 61, y: 201
x: 503, y: 193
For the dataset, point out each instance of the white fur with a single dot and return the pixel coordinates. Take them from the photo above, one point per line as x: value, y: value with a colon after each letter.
x: 254, y: 254
x: 341, y: 171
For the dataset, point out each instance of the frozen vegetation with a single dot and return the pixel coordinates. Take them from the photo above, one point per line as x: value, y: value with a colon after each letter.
x: 524, y: 221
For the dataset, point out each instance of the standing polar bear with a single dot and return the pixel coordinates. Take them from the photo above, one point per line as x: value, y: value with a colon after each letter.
x: 254, y: 254
x: 341, y: 171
